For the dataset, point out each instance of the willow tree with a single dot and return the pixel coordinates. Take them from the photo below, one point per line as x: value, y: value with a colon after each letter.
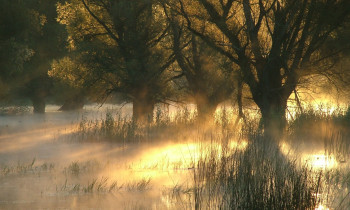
x: 73, y: 84
x: 209, y: 75
x: 124, y: 43
x: 275, y: 43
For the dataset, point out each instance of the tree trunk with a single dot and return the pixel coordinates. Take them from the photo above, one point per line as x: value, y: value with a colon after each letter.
x: 143, y: 110
x: 38, y: 105
x: 206, y: 105
x: 206, y: 110
x: 274, y: 118
x: 75, y: 103
x: 271, y: 96
x: 239, y: 100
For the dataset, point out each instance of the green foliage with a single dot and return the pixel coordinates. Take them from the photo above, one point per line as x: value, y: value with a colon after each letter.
x: 71, y: 79
x: 122, y: 46
x: 17, y: 24
x: 30, y: 38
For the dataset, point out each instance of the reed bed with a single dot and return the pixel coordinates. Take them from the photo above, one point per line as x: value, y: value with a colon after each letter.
x: 260, y: 176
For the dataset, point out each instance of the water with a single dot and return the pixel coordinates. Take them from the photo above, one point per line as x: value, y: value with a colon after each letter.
x: 42, y: 166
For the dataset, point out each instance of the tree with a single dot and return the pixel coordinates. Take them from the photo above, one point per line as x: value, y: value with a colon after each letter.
x: 33, y: 37
x: 275, y: 43
x: 71, y: 83
x: 125, y: 44
x: 210, y: 76
x: 16, y: 26
x: 48, y: 43
x: 75, y: 82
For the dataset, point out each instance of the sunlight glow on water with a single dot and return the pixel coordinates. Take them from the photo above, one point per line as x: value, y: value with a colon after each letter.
x: 321, y: 161
x: 322, y: 207
x: 183, y: 155
x: 168, y: 164
x: 316, y: 160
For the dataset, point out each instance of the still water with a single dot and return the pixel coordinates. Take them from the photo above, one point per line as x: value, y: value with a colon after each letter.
x: 43, y: 167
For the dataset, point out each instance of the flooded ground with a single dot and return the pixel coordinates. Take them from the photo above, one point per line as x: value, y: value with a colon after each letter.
x: 43, y: 166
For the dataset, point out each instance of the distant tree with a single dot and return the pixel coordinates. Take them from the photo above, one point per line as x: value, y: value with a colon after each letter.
x: 30, y: 39
x: 16, y: 26
x: 124, y: 43
x: 275, y: 43
x: 209, y: 75
x: 48, y: 44
x: 75, y: 83
x: 69, y: 83
x: 338, y: 44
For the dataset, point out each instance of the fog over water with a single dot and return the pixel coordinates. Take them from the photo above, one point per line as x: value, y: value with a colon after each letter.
x: 45, y: 165
x: 41, y: 163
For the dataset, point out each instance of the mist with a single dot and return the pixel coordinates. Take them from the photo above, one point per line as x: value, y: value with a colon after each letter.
x: 55, y: 161
x: 174, y: 104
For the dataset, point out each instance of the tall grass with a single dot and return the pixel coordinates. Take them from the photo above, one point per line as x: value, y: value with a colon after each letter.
x: 259, y: 177
x: 114, y: 127
x: 181, y: 124
x: 319, y: 126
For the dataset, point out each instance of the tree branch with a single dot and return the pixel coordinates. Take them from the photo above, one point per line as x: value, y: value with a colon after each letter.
x: 109, y: 31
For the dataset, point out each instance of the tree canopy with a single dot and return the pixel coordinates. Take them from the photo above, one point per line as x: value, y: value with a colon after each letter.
x: 125, y: 44
x: 275, y: 43
x: 141, y: 49
x: 30, y: 39
x: 17, y: 24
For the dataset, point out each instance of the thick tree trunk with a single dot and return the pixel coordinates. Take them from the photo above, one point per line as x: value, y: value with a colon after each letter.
x: 274, y: 118
x: 206, y: 105
x: 38, y: 105
x: 271, y: 96
x: 75, y: 103
x: 37, y: 90
x: 143, y: 110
